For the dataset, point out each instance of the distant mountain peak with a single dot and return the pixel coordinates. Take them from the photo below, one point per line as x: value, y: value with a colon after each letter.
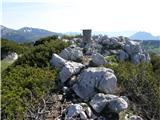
x: 141, y: 35
x: 26, y: 29
x: 25, y: 34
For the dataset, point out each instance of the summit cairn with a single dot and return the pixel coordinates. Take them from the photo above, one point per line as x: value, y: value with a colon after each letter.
x: 87, y: 36
x: 90, y: 86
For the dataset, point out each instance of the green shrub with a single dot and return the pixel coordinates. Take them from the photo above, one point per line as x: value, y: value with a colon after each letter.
x: 46, y: 40
x: 24, y: 85
x: 111, y: 59
x: 155, y: 60
x: 29, y: 78
x: 141, y: 85
x: 11, y: 46
x: 40, y: 55
x: 69, y: 37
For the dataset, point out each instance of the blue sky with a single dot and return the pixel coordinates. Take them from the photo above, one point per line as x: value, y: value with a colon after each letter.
x: 74, y: 15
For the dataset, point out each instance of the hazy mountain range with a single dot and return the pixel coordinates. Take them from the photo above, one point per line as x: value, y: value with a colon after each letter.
x: 144, y: 36
x: 29, y: 34
x: 25, y: 34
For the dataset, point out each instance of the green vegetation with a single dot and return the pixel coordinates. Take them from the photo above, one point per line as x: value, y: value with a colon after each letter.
x: 69, y: 37
x: 156, y: 50
x: 111, y: 59
x: 22, y: 86
x: 8, y: 46
x: 29, y: 78
x: 11, y: 46
x: 5, y: 63
x: 40, y: 55
x: 151, y: 46
x: 141, y: 84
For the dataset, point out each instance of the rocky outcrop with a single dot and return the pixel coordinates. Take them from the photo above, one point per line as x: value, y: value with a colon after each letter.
x: 98, y: 59
x: 95, y: 79
x: 57, y: 62
x: 113, y: 103
x: 72, y: 53
x: 10, y: 56
x: 123, y: 48
x: 132, y: 47
x: 92, y: 83
x: 99, y: 101
x: 69, y: 69
x: 92, y: 47
x: 137, y: 58
x: 122, y: 56
x: 117, y: 105
x: 75, y: 110
x: 134, y: 117
x: 72, y: 111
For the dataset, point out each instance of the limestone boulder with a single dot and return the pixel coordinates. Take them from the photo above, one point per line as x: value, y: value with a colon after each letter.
x: 98, y: 59
x: 78, y: 111
x: 92, y: 47
x: 72, y: 110
x: 137, y: 58
x: 69, y: 69
x: 122, y: 55
x: 134, y: 117
x: 113, y: 103
x: 72, y: 53
x: 95, y: 79
x: 99, y: 101
x: 57, y: 61
x: 117, y: 105
x: 132, y: 47
x: 10, y: 56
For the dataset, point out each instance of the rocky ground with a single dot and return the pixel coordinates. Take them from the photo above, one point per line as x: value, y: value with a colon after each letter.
x: 86, y: 89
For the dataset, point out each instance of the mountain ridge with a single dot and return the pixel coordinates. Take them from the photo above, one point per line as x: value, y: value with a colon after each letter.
x: 25, y: 34
x: 30, y: 34
x: 141, y: 35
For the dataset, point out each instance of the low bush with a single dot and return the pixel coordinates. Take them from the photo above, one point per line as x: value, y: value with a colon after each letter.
x: 11, y: 46
x: 141, y: 86
x: 29, y: 78
x: 22, y: 86
x: 40, y: 55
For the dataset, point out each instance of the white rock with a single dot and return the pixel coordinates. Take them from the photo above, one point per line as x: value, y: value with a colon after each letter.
x: 92, y: 47
x: 106, y: 41
x: 114, y: 41
x: 122, y: 55
x: 112, y: 102
x: 93, y: 79
x: 12, y: 56
x: 72, y: 53
x: 65, y: 89
x: 98, y: 59
x: 88, y: 112
x: 132, y: 47
x: 73, y: 110
x: 135, y: 58
x: 83, y: 116
x: 65, y: 40
x: 69, y: 69
x: 117, y: 105
x: 139, y: 57
x: 134, y: 117
x: 100, y: 100
x: 57, y: 62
